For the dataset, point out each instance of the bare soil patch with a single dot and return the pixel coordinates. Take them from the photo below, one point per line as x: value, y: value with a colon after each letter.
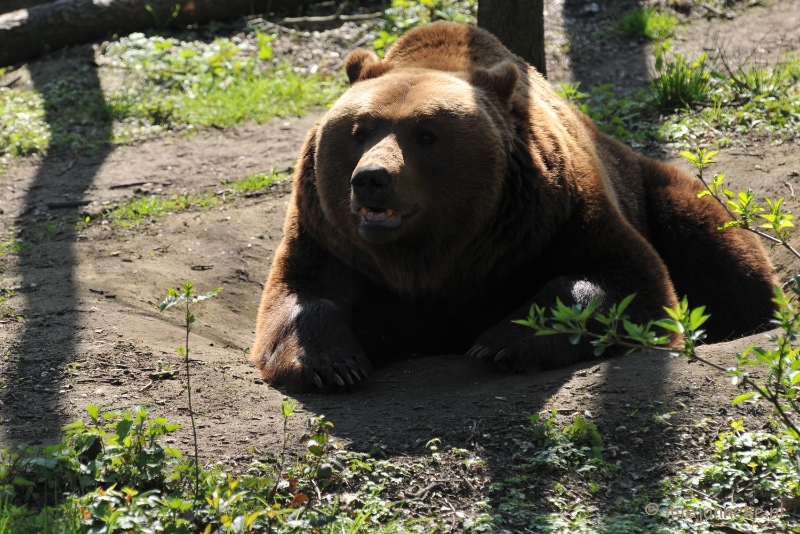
x: 87, y: 331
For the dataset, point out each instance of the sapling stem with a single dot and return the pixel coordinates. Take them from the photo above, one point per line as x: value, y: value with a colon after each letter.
x: 189, y: 401
x: 187, y: 299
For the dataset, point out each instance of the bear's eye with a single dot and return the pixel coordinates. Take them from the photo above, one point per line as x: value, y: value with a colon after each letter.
x: 360, y: 136
x: 426, y: 138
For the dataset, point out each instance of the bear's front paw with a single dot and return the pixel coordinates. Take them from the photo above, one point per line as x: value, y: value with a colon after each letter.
x: 515, y: 347
x: 306, y: 346
x: 333, y: 367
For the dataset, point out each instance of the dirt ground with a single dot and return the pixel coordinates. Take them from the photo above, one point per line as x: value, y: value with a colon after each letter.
x: 90, y: 333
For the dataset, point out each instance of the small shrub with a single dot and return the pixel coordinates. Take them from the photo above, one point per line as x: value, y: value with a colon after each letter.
x: 679, y: 83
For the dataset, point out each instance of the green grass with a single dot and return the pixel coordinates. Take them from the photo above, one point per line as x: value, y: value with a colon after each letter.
x: 698, y: 102
x: 16, y: 242
x: 254, y: 182
x: 23, y: 130
x: 650, y: 23
x: 11, y: 244
x: 740, y: 100
x: 137, y: 210
x: 276, y: 92
x: 156, y: 86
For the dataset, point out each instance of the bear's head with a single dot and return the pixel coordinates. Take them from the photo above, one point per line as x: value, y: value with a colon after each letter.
x: 429, y: 173
x: 414, y: 154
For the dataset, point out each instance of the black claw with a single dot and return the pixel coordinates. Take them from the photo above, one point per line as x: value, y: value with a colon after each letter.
x: 500, y: 355
x: 364, y: 372
x: 474, y: 350
x: 354, y: 373
x: 484, y: 352
x: 338, y: 379
x: 348, y: 378
x: 317, y: 380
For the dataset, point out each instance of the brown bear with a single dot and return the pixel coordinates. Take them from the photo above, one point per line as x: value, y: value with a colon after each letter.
x: 449, y: 189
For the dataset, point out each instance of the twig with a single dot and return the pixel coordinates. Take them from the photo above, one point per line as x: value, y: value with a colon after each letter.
x: 336, y: 17
x: 791, y: 189
x: 65, y: 169
x: 713, y: 9
x: 131, y: 184
x: 424, y: 491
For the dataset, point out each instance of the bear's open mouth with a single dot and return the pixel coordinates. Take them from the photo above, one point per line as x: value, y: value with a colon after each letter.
x: 384, y: 217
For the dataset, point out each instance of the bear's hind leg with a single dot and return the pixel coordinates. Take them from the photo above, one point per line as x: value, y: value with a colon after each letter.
x: 728, y: 271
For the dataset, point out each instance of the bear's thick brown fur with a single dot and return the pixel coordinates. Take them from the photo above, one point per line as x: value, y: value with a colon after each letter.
x: 449, y: 189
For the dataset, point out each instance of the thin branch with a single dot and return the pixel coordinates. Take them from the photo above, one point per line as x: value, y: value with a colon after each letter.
x: 744, y: 225
x: 191, y: 411
x: 765, y: 393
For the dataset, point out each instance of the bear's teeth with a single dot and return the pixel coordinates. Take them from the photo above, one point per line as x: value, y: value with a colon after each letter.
x: 366, y: 211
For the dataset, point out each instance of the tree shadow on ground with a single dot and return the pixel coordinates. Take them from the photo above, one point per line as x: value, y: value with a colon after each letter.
x: 80, y: 127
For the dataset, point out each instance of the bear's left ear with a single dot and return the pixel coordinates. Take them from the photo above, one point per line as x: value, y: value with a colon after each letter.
x: 501, y: 79
x: 363, y: 64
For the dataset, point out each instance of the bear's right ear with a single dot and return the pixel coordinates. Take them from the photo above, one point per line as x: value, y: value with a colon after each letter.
x: 363, y: 64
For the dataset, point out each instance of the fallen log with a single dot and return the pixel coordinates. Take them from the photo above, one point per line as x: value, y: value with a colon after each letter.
x: 28, y: 33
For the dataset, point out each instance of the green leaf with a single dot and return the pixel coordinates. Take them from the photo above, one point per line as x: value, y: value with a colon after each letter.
x: 742, y: 397
x: 622, y: 306
x: 172, y: 451
x: 287, y: 408
x: 123, y: 427
x: 211, y: 294
x: 94, y: 412
x: 170, y: 301
x: 668, y: 324
x: 697, y: 318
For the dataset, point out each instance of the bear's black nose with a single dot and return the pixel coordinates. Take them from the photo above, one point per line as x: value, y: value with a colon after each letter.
x: 370, y: 181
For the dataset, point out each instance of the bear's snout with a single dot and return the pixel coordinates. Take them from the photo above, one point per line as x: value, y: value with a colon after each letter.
x: 370, y: 185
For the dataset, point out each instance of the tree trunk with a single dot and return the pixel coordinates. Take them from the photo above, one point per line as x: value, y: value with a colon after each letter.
x: 519, y: 24
x: 27, y: 33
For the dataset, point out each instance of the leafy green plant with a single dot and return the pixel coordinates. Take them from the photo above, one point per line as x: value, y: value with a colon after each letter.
x: 650, y: 23
x: 186, y: 299
x: 404, y: 15
x: 756, y: 467
x: 678, y: 83
x: 382, y: 43
x: 627, y: 118
x: 569, y: 91
x: 577, y: 443
x: 111, y: 474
